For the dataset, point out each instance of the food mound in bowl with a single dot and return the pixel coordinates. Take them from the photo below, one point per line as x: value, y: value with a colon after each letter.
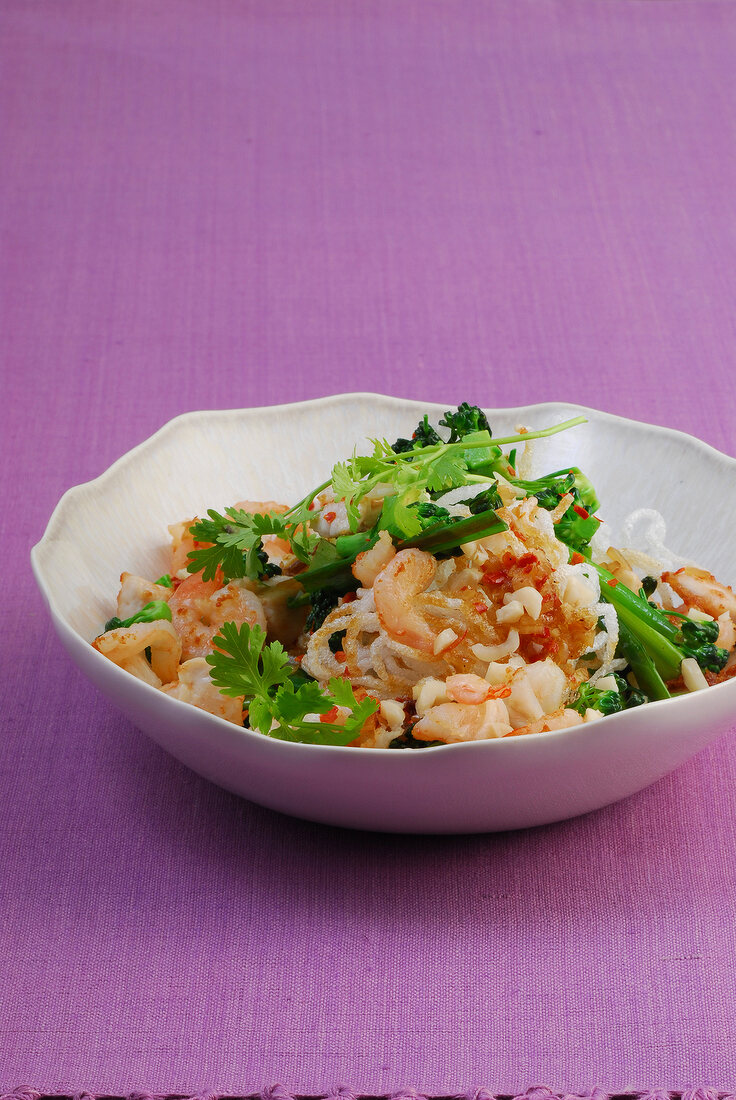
x: 429, y: 593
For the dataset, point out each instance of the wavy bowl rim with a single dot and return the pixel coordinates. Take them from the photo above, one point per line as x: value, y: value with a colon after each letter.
x: 56, y: 518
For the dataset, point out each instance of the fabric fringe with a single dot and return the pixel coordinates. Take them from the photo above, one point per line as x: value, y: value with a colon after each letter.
x: 340, y: 1092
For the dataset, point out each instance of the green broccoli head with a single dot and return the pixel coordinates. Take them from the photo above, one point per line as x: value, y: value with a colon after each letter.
x: 423, y: 435
x: 465, y: 420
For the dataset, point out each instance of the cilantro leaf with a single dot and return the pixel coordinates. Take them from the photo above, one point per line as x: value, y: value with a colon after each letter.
x: 357, y: 719
x: 260, y: 713
x: 208, y: 559
x: 243, y: 664
x: 346, y: 485
x: 292, y: 706
x: 445, y: 471
x: 236, y: 541
x: 344, y: 695
x: 342, y: 692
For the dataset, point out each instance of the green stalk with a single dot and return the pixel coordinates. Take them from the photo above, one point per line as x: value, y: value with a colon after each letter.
x: 667, y: 658
x: 642, y: 665
x: 621, y: 596
x: 438, y: 540
x: 651, y: 627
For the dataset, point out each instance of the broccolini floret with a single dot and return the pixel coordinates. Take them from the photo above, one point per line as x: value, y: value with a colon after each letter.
x: 589, y: 697
x: 465, y: 420
x: 423, y: 435
x: 156, y: 609
x: 322, y: 603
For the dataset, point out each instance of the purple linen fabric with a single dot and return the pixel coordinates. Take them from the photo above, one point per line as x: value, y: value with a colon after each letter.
x: 230, y: 203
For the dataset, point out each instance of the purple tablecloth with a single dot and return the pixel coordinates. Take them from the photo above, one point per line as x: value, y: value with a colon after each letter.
x: 227, y: 203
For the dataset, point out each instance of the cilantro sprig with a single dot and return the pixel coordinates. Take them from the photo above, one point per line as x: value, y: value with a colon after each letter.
x: 244, y: 664
x: 236, y: 540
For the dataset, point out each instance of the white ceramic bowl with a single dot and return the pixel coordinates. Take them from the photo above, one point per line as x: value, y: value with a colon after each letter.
x: 210, y: 459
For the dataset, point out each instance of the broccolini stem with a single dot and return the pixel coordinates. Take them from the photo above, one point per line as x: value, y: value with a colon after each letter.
x: 651, y: 627
x: 642, y: 665
x: 621, y: 595
x: 438, y: 540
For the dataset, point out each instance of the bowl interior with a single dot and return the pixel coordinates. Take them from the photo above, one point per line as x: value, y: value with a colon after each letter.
x: 211, y: 459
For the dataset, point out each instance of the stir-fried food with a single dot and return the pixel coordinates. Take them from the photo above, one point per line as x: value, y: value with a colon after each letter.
x: 432, y: 592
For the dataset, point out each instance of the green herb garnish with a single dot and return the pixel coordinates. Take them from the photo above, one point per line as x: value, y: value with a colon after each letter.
x: 244, y: 664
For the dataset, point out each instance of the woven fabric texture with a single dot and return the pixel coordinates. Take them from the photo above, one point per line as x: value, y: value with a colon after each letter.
x: 278, y: 1092
x: 229, y: 203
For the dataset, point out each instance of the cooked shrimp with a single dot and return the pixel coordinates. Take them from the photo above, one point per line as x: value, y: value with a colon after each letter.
x: 126, y: 647
x: 199, y: 609
x: 369, y: 564
x: 405, y: 576
x: 700, y: 589
x: 561, y: 719
x: 136, y: 592
x: 727, y: 631
x: 453, y: 722
x: 470, y: 688
x: 182, y: 545
x: 195, y: 686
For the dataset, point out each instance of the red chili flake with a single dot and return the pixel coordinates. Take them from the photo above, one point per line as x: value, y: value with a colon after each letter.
x: 330, y: 716
x: 580, y: 511
x: 340, y: 657
x: 330, y: 517
x: 577, y: 558
x: 527, y: 562
x: 349, y: 597
x: 612, y: 583
x: 494, y: 578
x: 479, y: 608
